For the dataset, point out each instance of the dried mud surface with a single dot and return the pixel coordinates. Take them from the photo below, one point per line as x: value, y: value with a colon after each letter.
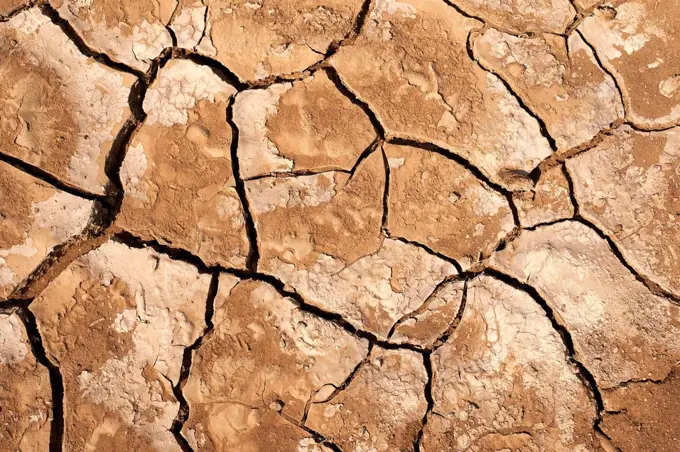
x: 339, y: 225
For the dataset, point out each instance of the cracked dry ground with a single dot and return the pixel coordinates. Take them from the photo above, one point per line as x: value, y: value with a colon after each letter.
x: 339, y: 225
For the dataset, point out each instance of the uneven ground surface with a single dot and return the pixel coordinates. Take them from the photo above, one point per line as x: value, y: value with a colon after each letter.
x: 339, y: 225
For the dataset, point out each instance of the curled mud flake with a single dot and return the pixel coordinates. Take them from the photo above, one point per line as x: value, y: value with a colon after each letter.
x: 35, y: 219
x: 177, y: 174
x: 26, y: 413
x: 433, y: 318
x: 439, y: 203
x: 641, y: 416
x: 60, y: 111
x: 502, y: 380
x: 621, y: 331
x: 264, y: 353
x: 305, y: 126
x: 547, y: 202
x: 321, y: 235
x: 268, y: 37
x: 410, y: 65
x: 629, y: 186
x: 131, y: 32
x: 382, y: 407
x: 560, y: 80
x: 117, y: 321
x: 522, y: 16
x: 633, y: 42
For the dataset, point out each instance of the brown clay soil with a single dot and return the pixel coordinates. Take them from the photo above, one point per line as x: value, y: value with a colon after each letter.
x: 339, y: 225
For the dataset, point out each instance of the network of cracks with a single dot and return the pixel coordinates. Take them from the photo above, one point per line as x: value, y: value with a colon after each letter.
x: 342, y: 225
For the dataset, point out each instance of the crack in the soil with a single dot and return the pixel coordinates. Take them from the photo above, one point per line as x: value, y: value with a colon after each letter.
x: 18, y: 10
x: 48, y: 10
x: 427, y: 362
x: 586, y: 377
x: 354, y: 98
x: 648, y: 282
x: 187, y: 360
x: 340, y: 388
x: 108, y: 206
x: 606, y: 70
x: 542, y: 126
x: 49, y: 178
x: 56, y: 379
x: 251, y: 230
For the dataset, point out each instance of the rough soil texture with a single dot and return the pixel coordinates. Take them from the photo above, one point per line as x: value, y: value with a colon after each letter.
x: 339, y: 225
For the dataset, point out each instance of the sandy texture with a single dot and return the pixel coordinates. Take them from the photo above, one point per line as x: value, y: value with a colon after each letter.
x: 35, y: 219
x: 60, y: 110
x: 411, y: 66
x: 266, y: 38
x: 25, y: 391
x: 637, y: 42
x: 116, y: 322
x: 178, y: 174
x: 502, y: 380
x: 303, y: 126
x: 339, y: 225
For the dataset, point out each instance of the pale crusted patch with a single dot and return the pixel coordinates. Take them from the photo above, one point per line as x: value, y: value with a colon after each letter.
x: 621, y: 331
x: 179, y: 87
x: 381, y: 408
x: 313, y: 190
x: 373, y: 292
x: 132, y: 172
x: 505, y: 367
x: 133, y: 33
x: 13, y: 348
x: 628, y: 186
x: 98, y: 97
x: 257, y: 153
x: 189, y: 25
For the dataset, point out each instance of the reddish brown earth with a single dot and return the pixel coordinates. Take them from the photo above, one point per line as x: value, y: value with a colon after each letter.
x: 339, y: 225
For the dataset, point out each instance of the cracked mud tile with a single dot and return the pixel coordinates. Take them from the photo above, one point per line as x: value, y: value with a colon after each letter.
x: 177, y: 174
x: 410, y: 65
x: 637, y: 42
x: 382, y: 407
x: 621, y: 331
x: 307, y: 125
x: 116, y: 322
x: 548, y: 201
x: 502, y: 381
x: 560, y: 80
x: 234, y: 427
x: 35, y: 218
x: 522, y: 16
x: 430, y: 321
x: 629, y: 186
x: 130, y: 32
x: 642, y: 416
x: 437, y: 202
x: 261, y: 38
x: 60, y: 111
x: 264, y: 355
x: 25, y: 393
x: 321, y: 235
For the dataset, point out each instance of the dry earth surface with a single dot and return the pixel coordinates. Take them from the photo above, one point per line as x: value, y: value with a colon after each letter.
x: 339, y: 225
